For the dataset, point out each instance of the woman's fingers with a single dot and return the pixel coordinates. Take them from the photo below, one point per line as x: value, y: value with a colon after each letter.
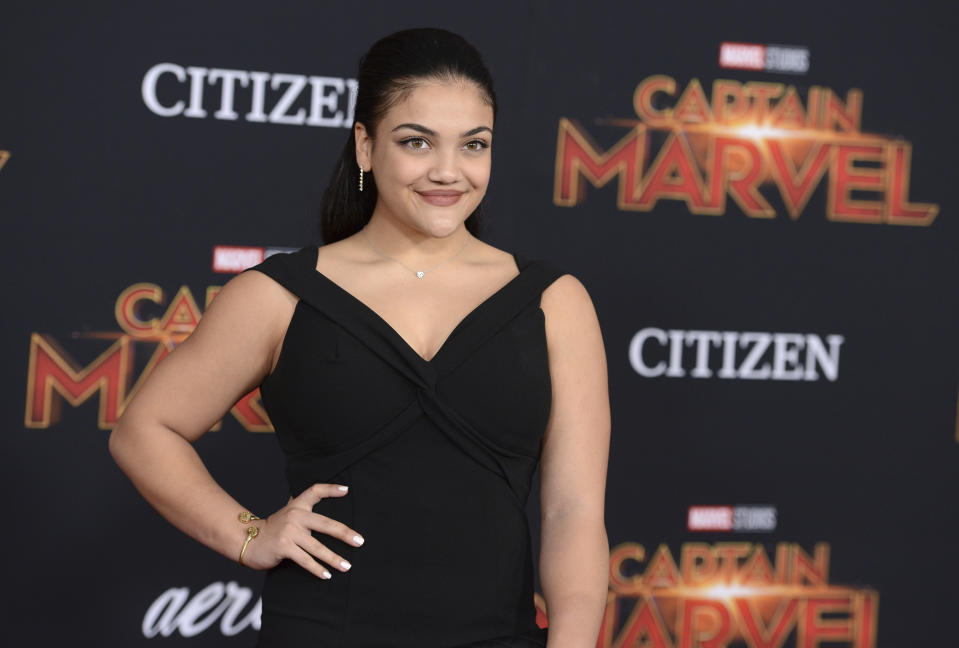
x: 306, y: 561
x: 331, y: 527
x: 324, y: 553
x: 308, y: 498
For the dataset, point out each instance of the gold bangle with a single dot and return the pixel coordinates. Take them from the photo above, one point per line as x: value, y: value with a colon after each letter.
x: 251, y: 533
x: 246, y: 516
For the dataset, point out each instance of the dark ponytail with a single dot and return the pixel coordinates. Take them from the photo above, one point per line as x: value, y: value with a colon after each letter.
x: 392, y: 68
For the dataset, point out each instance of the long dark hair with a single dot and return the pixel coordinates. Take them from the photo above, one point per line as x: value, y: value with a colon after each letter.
x: 392, y: 67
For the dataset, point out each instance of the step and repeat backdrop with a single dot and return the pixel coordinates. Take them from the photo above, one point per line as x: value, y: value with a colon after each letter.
x: 759, y: 199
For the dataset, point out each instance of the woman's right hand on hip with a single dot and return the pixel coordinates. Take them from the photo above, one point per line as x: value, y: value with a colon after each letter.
x: 288, y: 534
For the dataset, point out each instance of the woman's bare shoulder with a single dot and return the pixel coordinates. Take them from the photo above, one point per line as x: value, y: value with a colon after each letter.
x: 572, y: 325
x: 256, y: 293
x: 567, y: 297
x: 565, y: 294
x: 251, y: 311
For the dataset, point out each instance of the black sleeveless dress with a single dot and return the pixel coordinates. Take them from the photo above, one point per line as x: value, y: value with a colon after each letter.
x: 439, y: 457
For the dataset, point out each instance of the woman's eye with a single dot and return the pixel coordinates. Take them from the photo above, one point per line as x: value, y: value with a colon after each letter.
x: 476, y: 145
x: 416, y: 143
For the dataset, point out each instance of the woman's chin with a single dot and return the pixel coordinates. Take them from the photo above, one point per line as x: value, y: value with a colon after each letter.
x: 442, y: 227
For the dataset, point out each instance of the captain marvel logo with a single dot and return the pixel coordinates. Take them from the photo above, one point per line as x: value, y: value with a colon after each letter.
x: 147, y: 321
x: 731, y: 594
x: 762, y: 145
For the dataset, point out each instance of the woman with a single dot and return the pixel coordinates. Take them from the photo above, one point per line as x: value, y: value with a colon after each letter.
x: 415, y: 376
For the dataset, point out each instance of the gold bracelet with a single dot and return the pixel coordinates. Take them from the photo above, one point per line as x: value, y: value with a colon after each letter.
x: 251, y: 533
x: 246, y: 516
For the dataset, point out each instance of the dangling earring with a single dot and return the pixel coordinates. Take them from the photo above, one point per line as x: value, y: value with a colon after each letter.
x: 361, y: 177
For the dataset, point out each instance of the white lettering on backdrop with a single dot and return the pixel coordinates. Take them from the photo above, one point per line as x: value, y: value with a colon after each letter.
x: 174, y: 611
x: 670, y: 353
x: 331, y: 100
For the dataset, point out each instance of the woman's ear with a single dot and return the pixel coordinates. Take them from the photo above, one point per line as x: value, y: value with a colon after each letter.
x: 364, y: 144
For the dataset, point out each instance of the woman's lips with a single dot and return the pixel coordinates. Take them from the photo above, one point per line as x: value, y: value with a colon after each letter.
x: 441, y: 198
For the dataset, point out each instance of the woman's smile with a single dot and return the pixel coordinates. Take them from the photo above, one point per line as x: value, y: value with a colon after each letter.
x: 441, y: 197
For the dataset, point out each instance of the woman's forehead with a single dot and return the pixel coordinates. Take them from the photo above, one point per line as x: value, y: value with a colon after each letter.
x: 442, y: 106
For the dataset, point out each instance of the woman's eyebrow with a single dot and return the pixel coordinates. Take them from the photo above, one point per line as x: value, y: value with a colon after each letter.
x: 478, y: 129
x: 428, y: 131
x: 417, y: 127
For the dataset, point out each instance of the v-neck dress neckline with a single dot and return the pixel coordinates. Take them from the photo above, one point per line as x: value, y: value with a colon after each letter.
x: 521, y: 264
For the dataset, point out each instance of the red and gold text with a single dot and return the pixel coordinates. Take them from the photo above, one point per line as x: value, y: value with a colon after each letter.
x: 703, y: 149
x: 53, y: 376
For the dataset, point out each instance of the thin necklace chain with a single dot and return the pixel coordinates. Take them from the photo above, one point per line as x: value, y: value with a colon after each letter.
x: 419, y: 273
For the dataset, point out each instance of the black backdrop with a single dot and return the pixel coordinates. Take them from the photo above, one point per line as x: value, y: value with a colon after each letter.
x: 101, y: 195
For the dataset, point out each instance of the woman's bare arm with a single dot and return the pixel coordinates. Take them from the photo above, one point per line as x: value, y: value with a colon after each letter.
x: 574, y: 552
x: 228, y: 354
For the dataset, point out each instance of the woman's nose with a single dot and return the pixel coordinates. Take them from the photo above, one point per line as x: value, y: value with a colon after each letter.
x: 445, y: 168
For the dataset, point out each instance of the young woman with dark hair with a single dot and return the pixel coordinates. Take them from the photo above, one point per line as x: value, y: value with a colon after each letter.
x: 416, y: 377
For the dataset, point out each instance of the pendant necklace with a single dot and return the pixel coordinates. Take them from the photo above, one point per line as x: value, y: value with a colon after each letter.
x: 419, y: 273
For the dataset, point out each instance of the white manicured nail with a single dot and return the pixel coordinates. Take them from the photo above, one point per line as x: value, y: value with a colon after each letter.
x: 343, y: 488
x: 327, y: 574
x: 344, y: 564
x: 357, y: 539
